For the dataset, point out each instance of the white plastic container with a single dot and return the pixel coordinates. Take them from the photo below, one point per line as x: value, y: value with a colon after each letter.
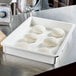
x: 10, y: 48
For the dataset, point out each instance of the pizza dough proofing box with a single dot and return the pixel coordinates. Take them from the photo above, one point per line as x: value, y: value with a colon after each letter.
x: 9, y: 43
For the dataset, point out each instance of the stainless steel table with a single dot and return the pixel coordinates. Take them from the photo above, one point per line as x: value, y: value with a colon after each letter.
x: 16, y: 66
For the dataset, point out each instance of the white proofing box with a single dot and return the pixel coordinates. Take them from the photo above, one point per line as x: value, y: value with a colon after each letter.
x: 10, y: 48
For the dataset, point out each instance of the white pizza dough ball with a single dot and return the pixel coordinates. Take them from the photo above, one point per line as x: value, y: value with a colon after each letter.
x: 57, y: 32
x: 50, y: 42
x: 30, y: 38
x: 38, y: 29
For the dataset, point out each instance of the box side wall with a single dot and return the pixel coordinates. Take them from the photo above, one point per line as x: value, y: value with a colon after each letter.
x: 61, y: 60
x: 29, y: 55
x: 51, y: 23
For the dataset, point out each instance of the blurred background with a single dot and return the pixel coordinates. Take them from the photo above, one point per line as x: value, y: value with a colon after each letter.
x: 52, y: 3
x: 16, y: 8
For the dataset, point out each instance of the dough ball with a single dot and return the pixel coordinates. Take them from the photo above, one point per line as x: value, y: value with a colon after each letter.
x: 30, y: 38
x: 50, y: 42
x: 57, y: 32
x: 38, y: 29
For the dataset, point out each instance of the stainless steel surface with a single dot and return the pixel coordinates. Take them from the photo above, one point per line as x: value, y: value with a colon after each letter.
x: 5, y: 29
x: 16, y: 66
x: 13, y: 71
